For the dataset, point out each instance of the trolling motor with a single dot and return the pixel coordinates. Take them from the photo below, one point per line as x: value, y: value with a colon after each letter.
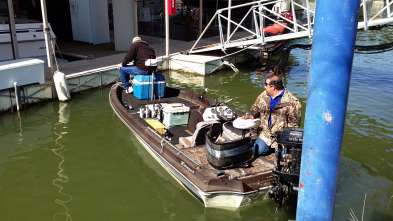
x: 285, y: 186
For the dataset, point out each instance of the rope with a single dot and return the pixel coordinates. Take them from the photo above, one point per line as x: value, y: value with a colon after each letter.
x: 54, y: 54
x: 58, y: 49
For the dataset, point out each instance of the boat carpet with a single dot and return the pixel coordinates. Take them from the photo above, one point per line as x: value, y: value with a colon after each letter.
x: 260, y: 165
x: 171, y: 96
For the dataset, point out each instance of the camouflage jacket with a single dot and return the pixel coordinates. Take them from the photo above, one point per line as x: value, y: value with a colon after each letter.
x: 286, y: 113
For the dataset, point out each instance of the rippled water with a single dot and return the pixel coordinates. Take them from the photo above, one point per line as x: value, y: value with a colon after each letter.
x: 77, y: 161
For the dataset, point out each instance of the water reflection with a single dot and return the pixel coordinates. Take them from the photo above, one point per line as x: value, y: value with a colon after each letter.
x: 60, y: 130
x: 20, y: 128
x: 361, y: 192
x: 18, y: 145
x: 177, y: 78
x: 64, y: 112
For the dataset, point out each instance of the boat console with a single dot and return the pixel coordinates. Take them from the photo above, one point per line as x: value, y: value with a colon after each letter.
x: 219, y: 112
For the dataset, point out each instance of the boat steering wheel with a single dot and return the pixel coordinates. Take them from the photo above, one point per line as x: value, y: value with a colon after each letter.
x: 224, y: 112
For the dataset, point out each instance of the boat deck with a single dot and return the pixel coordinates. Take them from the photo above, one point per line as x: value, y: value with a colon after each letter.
x: 249, y: 173
x: 260, y: 165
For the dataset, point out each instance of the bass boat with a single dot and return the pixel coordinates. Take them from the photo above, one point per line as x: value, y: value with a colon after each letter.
x: 205, y: 147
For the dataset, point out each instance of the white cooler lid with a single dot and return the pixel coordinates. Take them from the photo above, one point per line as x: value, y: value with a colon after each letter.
x: 176, y: 108
x: 134, y: 81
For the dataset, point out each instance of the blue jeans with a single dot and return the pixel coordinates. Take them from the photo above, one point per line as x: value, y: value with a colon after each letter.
x: 125, y: 73
x: 260, y: 147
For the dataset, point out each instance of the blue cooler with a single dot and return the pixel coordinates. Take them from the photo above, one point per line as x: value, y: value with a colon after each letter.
x: 142, y: 86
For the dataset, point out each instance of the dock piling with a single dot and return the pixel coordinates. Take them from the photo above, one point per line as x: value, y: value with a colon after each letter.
x: 331, y: 64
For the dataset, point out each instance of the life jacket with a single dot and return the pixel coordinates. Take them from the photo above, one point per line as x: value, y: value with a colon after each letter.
x: 275, y: 28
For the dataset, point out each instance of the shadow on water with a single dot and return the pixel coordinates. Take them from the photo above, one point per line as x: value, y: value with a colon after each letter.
x: 60, y: 130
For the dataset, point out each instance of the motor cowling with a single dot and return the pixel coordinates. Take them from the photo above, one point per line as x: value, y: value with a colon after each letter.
x: 290, y: 142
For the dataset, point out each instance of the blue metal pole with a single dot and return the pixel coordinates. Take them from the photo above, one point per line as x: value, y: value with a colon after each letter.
x: 332, y: 53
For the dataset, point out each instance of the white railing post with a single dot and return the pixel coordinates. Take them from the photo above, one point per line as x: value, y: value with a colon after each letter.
x: 229, y: 19
x: 308, y: 19
x: 388, y: 8
x: 365, y: 17
x: 294, y: 16
x: 222, y: 41
x: 256, y: 25
x: 261, y: 25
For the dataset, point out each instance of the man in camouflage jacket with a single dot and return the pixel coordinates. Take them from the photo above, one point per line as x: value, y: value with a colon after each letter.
x: 277, y: 108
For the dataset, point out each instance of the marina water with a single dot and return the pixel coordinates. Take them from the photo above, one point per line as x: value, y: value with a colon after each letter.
x: 78, y: 161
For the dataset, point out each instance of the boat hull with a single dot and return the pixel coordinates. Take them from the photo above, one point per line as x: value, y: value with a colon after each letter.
x: 186, y: 174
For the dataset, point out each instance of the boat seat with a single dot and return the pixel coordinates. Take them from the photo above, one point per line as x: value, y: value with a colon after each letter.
x: 194, y: 119
x: 198, y: 137
x: 230, y: 133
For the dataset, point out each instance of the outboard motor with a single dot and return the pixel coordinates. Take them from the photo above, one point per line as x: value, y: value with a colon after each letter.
x: 287, y: 172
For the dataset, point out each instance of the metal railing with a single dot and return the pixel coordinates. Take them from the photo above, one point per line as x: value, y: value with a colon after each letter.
x: 268, y: 11
x: 100, y: 75
x: 380, y: 17
x: 260, y: 12
x: 163, y: 139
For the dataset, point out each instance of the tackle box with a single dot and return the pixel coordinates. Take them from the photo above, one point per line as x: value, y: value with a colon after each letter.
x: 175, y: 114
x: 142, y: 86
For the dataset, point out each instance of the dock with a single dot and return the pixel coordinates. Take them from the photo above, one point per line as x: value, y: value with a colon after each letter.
x: 201, y: 57
x: 100, y: 70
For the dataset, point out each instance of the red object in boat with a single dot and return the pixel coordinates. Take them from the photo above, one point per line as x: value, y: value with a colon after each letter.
x: 276, y: 28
